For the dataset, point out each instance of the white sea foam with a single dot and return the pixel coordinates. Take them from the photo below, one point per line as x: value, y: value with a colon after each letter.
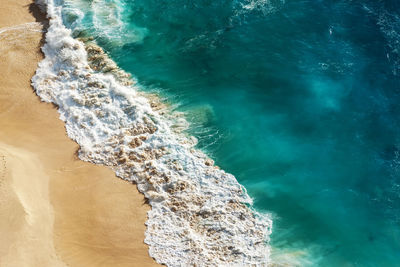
x: 260, y: 5
x: 390, y: 26
x: 30, y: 26
x: 16, y: 36
x: 199, y: 214
x: 108, y: 19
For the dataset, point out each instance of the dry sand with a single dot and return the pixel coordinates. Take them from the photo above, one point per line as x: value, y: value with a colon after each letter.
x: 55, y: 210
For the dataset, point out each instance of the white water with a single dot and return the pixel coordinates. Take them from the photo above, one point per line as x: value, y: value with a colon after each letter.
x: 30, y: 26
x: 200, y: 215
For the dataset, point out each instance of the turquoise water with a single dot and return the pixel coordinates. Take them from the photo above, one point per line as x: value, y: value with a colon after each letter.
x: 298, y: 99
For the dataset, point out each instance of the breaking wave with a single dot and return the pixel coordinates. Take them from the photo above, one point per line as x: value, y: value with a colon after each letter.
x: 200, y: 215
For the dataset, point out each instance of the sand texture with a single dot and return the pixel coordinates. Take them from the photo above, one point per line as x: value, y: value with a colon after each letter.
x: 55, y: 210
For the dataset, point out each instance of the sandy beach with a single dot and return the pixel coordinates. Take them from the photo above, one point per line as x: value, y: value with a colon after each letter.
x: 55, y: 210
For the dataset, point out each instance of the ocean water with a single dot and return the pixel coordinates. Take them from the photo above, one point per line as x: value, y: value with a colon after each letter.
x: 299, y: 100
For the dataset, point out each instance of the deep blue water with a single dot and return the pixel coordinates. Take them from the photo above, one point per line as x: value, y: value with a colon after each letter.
x: 298, y: 99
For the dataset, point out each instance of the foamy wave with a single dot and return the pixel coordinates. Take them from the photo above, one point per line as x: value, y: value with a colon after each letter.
x: 107, y: 19
x: 199, y: 214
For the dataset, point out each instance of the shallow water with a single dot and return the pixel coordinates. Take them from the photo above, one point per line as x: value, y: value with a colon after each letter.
x: 297, y: 99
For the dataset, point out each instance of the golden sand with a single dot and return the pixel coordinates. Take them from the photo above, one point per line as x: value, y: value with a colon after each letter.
x: 55, y: 210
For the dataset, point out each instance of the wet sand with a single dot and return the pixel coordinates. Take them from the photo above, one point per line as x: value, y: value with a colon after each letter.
x: 55, y: 210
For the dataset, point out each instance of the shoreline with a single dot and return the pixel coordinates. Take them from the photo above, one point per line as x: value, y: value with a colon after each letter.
x: 56, y: 210
x: 193, y: 202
